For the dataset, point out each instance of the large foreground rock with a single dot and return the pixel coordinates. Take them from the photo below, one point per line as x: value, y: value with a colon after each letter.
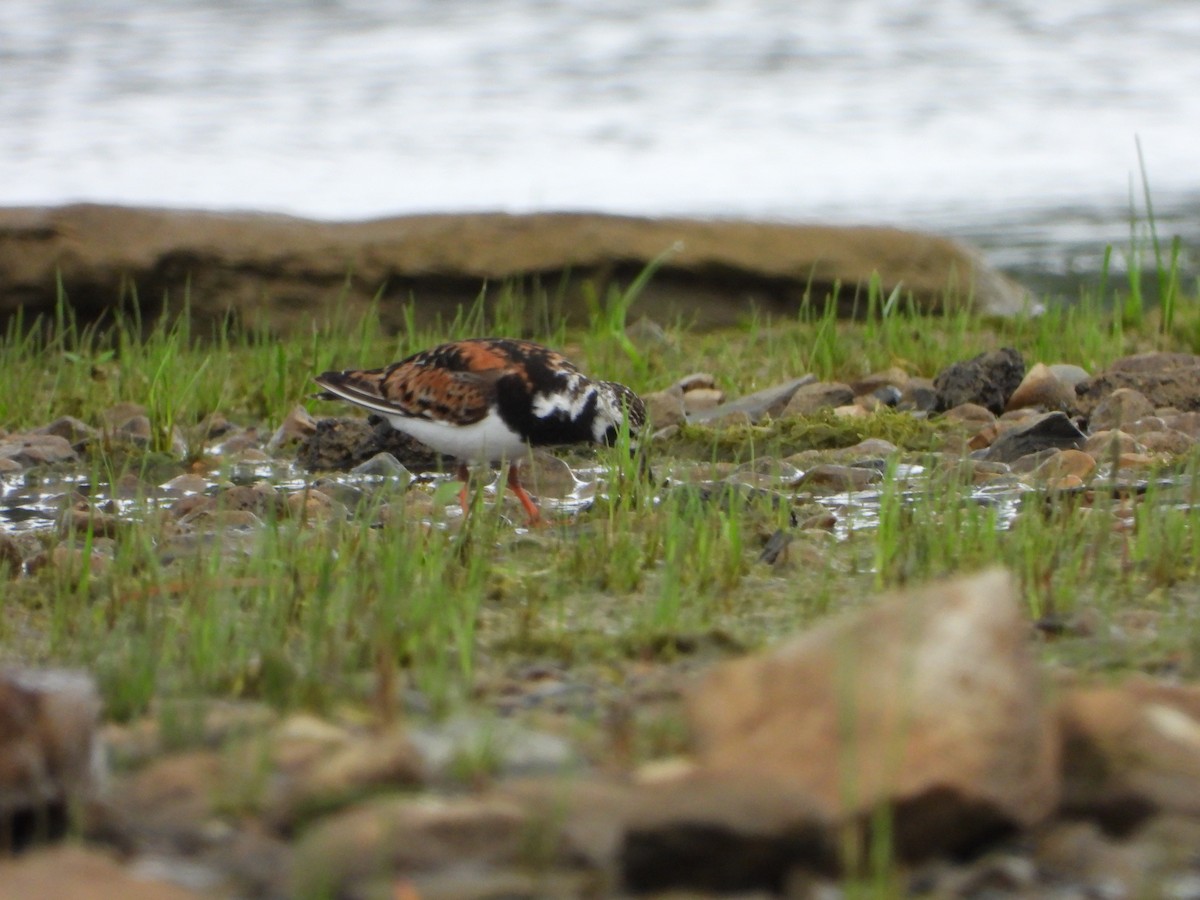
x: 282, y: 271
x: 930, y: 704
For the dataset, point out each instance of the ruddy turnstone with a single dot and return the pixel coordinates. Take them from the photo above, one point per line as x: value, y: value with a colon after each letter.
x: 487, y: 400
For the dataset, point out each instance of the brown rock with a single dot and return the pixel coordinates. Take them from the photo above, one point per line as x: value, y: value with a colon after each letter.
x: 811, y: 398
x: 351, y: 770
x: 1120, y: 409
x: 893, y: 377
x: 919, y: 394
x: 1065, y: 463
x: 1104, y: 445
x: 36, y: 449
x: 405, y: 835
x: 930, y: 702
x: 970, y: 412
x: 702, y: 400
x: 60, y: 873
x: 833, y: 477
x: 1169, y: 442
x: 279, y: 271
x: 1043, y: 389
x: 1164, y: 379
x: 50, y: 760
x: 71, y: 428
x: 664, y: 408
x: 1131, y: 750
x: 297, y: 425
x: 1188, y: 423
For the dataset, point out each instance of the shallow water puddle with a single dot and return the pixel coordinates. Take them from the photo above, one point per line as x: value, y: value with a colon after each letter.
x: 35, y: 502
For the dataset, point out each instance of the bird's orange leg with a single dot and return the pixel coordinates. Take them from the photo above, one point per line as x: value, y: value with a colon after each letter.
x: 464, y: 475
x: 514, y: 482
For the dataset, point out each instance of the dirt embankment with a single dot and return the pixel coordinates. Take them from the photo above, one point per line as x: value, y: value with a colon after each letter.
x: 283, y: 271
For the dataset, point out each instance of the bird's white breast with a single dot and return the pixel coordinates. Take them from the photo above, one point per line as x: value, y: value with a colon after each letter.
x: 488, y: 440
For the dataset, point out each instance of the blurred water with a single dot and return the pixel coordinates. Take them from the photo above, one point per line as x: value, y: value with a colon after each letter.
x: 1010, y: 122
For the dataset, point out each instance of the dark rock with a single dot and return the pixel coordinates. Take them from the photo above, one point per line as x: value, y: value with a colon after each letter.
x: 279, y: 271
x: 344, y: 443
x: 988, y: 380
x: 723, y: 834
x: 888, y: 395
x: 1050, y: 431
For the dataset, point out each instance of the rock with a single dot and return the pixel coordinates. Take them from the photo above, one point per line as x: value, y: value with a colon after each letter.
x: 313, y: 506
x: 11, y: 557
x: 510, y: 749
x: 170, y: 802
x: 1129, y: 751
x: 279, y: 271
x: 1069, y: 374
x: 1105, y: 445
x: 770, y: 401
x: 680, y: 830
x: 1063, y: 464
x: 971, y: 413
x: 1164, y: 379
x: 353, y: 769
x: 988, y: 379
x: 832, y: 477
x: 341, y: 444
x: 1170, y: 443
x: 37, y: 449
x: 71, y: 871
x: 1188, y: 423
x: 664, y: 408
x: 1121, y: 408
x: 702, y: 400
x: 70, y: 428
x: 1051, y: 430
x: 719, y: 833
x: 930, y: 702
x: 51, y: 761
x: 298, y: 425
x: 1043, y: 389
x: 919, y: 395
x: 406, y: 835
x: 383, y: 465
x: 868, y: 384
x: 813, y: 397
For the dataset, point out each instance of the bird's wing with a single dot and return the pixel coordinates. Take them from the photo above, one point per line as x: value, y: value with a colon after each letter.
x: 417, y: 391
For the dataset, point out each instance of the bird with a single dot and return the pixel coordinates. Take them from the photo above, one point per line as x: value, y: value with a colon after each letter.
x: 489, y: 400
